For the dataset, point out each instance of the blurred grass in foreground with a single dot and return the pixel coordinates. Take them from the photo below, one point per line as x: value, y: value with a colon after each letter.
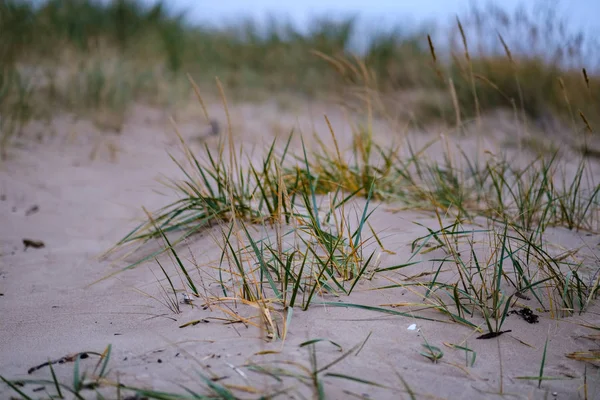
x: 91, y: 57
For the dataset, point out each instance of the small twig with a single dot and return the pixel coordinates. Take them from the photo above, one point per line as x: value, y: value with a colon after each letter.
x: 36, y: 244
x: 68, y: 358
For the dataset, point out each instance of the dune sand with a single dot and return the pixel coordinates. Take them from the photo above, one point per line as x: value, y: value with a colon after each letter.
x: 79, y: 207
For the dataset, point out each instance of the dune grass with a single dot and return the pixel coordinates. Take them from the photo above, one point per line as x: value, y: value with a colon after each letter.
x: 287, y: 189
x: 310, y: 243
x: 486, y: 284
x: 309, y: 247
x: 293, y: 226
x: 113, y: 54
x: 288, y: 241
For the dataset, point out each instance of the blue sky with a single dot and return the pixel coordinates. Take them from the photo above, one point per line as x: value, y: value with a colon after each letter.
x: 580, y: 15
x: 583, y: 14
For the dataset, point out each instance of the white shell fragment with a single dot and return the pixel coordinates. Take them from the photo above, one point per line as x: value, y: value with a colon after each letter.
x: 187, y: 299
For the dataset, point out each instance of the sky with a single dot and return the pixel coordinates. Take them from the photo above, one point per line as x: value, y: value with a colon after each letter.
x: 582, y: 14
x: 373, y: 15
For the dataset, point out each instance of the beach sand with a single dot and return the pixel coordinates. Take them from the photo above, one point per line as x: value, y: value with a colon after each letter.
x: 79, y: 196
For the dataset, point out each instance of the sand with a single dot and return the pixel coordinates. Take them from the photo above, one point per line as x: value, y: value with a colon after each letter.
x: 53, y: 191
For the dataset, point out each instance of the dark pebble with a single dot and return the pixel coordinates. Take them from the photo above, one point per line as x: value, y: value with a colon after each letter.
x: 32, y: 210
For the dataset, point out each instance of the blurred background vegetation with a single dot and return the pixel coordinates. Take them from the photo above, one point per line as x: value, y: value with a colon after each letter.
x: 84, y: 56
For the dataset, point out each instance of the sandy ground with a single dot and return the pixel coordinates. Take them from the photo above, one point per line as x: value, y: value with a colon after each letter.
x: 54, y: 192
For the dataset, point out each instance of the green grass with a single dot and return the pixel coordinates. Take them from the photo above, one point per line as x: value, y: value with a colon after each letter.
x: 288, y: 241
x: 310, y: 244
x: 543, y: 193
x: 485, y: 282
x: 310, y: 247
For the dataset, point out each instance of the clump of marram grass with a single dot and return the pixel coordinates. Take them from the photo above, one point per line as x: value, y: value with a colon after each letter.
x: 307, y: 256
x: 542, y: 193
x: 484, y: 272
x: 521, y: 203
x: 316, y: 248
